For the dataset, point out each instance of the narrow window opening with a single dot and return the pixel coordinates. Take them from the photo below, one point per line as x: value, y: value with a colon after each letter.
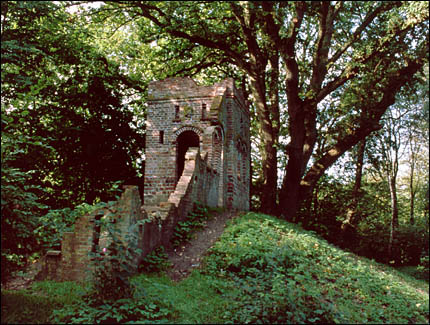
x: 96, y: 233
x: 161, y: 139
x: 176, y: 112
x: 204, y: 111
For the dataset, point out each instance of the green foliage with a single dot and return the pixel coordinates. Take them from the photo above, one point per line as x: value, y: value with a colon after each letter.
x: 113, y: 265
x: 155, y: 261
x: 286, y: 275
x: 67, y: 292
x: 67, y: 133
x: 253, y: 252
x: 424, y: 268
x: 19, y: 202
x: 411, y: 244
x: 128, y: 303
x: 55, y: 223
x: 36, y: 304
x: 369, y: 236
x: 262, y: 270
x: 111, y: 298
x: 125, y: 310
x: 24, y: 308
x: 194, y: 300
x: 57, y: 87
x: 186, y: 229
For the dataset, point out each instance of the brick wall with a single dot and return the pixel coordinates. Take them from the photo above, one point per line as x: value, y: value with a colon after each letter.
x: 73, y: 261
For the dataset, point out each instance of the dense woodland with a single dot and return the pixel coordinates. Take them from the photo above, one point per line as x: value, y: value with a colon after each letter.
x: 338, y: 96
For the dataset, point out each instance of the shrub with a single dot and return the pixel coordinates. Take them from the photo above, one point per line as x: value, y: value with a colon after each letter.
x: 55, y: 223
x: 423, y: 267
x: 125, y: 310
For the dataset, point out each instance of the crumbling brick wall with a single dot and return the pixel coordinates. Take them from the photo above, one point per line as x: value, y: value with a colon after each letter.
x: 73, y: 261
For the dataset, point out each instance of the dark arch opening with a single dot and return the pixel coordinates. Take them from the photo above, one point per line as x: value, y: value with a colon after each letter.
x: 184, y: 141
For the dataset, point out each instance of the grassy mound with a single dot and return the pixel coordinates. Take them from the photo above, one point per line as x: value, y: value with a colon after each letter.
x: 283, y: 274
x: 265, y: 270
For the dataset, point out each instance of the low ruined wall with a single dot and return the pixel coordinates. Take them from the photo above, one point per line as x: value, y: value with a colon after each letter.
x: 198, y: 183
x: 72, y: 262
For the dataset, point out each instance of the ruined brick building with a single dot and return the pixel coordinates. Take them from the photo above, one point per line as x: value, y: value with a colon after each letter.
x: 197, y: 150
x: 215, y: 119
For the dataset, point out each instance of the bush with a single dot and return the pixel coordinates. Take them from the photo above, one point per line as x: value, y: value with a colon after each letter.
x: 423, y: 268
x: 19, y: 208
x: 410, y: 243
x: 55, y: 223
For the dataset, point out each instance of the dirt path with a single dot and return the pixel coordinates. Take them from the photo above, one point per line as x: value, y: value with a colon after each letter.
x: 188, y: 256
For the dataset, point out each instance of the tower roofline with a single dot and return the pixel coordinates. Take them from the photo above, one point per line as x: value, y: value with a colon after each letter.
x: 186, y: 87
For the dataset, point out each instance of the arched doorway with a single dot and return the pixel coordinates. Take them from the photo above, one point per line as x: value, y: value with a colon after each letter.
x: 185, y: 140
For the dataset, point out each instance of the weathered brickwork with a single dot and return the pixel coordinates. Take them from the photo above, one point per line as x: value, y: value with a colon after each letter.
x: 197, y: 150
x: 73, y: 261
x: 218, y: 116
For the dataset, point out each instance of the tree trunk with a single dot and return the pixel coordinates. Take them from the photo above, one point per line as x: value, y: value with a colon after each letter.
x: 289, y: 194
x: 412, y: 191
x: 348, y: 225
x: 269, y: 157
x: 394, y: 225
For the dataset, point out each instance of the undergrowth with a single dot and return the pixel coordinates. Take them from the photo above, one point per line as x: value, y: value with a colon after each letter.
x: 287, y: 275
x: 261, y: 270
x: 195, y: 221
x: 155, y: 261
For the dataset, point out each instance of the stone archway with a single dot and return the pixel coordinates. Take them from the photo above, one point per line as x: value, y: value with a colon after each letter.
x: 184, y: 141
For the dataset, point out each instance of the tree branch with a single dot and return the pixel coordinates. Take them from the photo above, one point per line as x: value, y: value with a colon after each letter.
x: 288, y: 55
x: 385, y: 6
x: 325, y: 33
x: 246, y: 18
x: 368, y: 124
x: 174, y: 31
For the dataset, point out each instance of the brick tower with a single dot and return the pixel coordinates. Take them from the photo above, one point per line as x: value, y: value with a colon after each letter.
x: 215, y: 119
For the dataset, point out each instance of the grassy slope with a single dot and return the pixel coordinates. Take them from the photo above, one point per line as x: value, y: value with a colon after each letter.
x: 264, y: 269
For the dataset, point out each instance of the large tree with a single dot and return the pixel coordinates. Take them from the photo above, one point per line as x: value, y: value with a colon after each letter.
x: 347, y: 58
x: 59, y: 89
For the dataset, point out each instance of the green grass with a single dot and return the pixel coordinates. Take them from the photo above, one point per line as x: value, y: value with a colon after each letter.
x: 260, y: 270
x: 36, y: 304
x: 196, y: 299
